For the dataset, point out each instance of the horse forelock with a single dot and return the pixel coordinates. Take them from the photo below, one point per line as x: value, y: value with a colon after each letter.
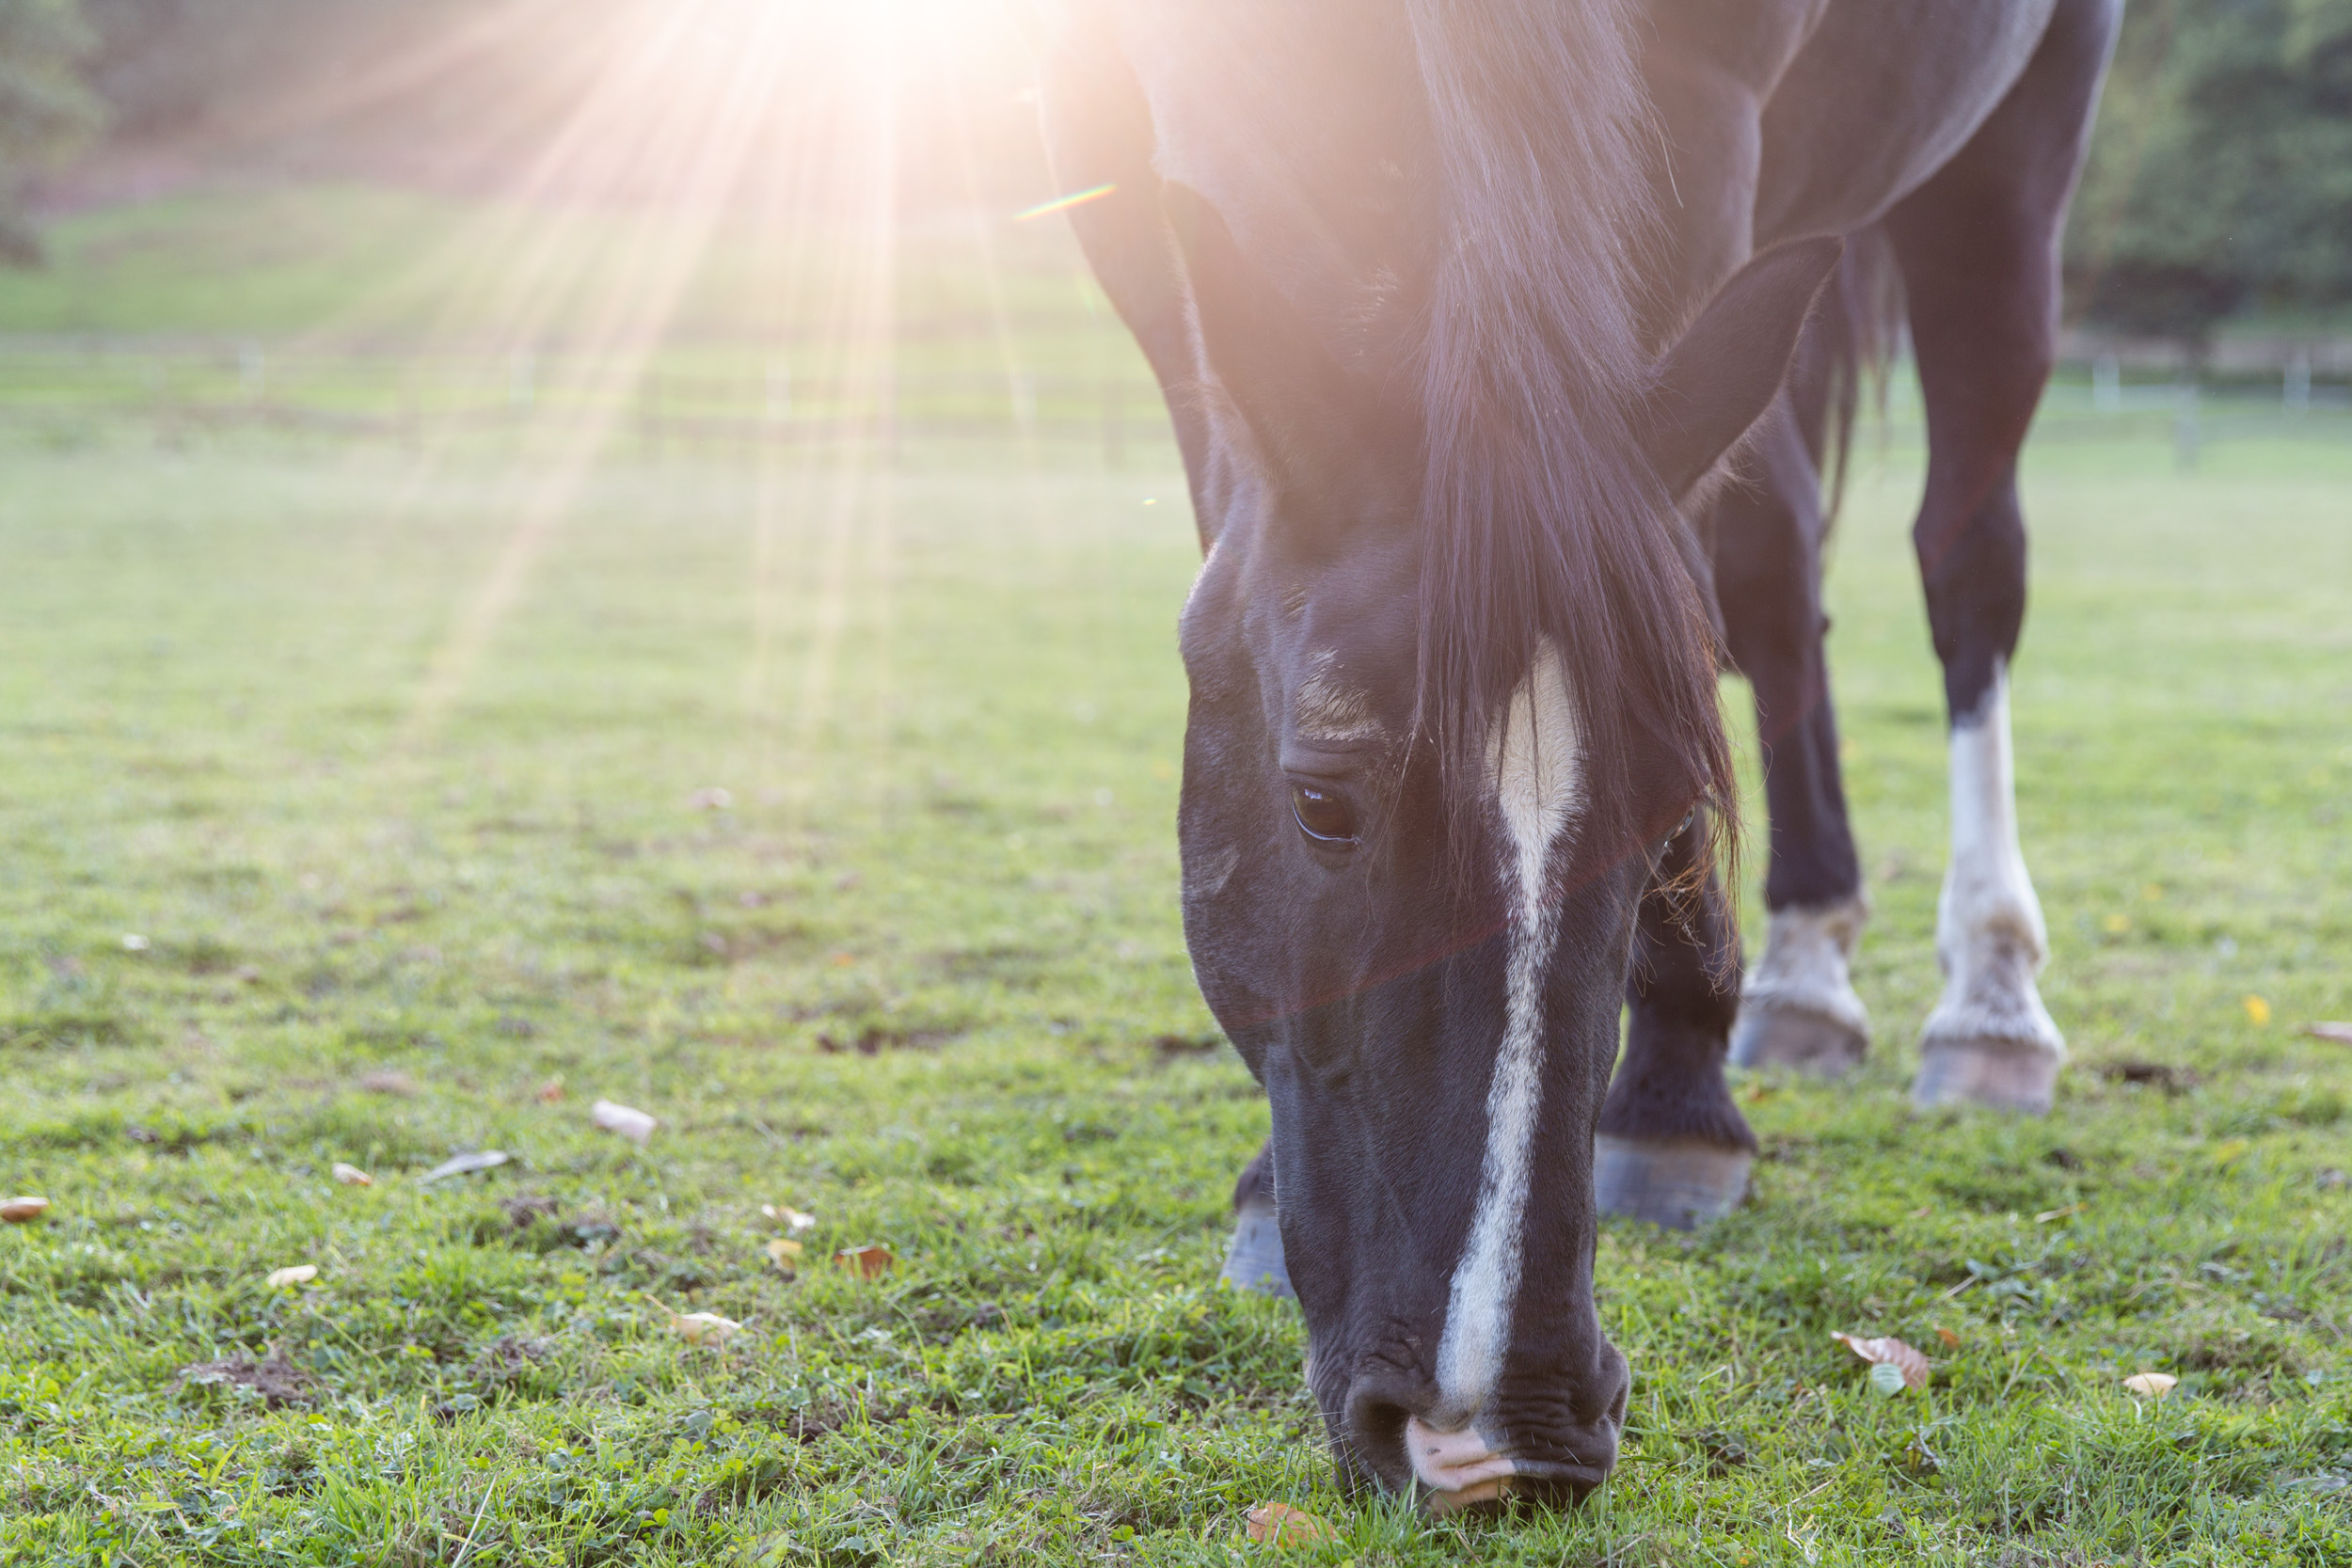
x: 1541, y: 517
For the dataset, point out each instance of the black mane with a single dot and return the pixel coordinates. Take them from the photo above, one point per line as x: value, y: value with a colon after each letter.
x: 1541, y: 515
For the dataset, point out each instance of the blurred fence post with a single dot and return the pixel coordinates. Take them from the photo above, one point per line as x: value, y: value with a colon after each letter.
x: 779, y: 405
x: 2106, y: 385
x: 1024, y: 406
x: 521, y: 380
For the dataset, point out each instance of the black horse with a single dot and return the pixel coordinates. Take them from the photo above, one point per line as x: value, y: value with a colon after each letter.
x: 1490, y: 335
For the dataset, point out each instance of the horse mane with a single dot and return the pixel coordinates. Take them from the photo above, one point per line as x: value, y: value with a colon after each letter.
x: 1542, y: 517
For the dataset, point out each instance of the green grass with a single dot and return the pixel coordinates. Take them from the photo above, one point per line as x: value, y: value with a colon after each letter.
x: 948, y: 710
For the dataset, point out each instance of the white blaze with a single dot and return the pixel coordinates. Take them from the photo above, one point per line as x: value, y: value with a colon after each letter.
x: 1535, y: 760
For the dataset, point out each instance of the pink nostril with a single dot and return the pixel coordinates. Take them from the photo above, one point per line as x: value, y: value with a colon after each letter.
x: 1453, y: 1462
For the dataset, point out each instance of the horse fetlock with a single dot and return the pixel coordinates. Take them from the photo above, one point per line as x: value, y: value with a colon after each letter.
x: 1679, y: 1183
x: 1254, y: 1261
x: 1798, y: 1008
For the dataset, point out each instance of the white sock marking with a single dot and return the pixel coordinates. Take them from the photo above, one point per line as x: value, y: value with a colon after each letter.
x: 1535, y: 760
x: 1805, y: 963
x: 1988, y: 935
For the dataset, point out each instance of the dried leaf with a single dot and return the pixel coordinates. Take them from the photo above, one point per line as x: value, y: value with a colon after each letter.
x: 1281, y: 1525
x: 788, y: 1217
x: 464, y: 1164
x: 868, y: 1260
x: 628, y: 1122
x: 550, y: 1092
x: 786, y: 1254
x: 300, y: 1273
x: 18, y: 1211
x: 2153, y: 1386
x: 700, y: 1328
x: 1909, y: 1363
x: 1951, y: 1340
x: 351, y: 1176
x: 2334, y: 1034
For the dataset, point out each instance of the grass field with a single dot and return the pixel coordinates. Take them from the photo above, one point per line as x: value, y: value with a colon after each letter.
x: 311, y: 857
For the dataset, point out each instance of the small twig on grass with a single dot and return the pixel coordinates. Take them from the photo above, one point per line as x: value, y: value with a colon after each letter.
x: 2023, y: 1362
x: 465, y: 1548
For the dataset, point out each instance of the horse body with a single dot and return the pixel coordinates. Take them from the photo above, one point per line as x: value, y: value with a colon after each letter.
x: 1421, y: 282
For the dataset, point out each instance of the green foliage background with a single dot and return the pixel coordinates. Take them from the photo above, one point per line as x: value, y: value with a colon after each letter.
x: 2221, y: 178
x: 46, y: 109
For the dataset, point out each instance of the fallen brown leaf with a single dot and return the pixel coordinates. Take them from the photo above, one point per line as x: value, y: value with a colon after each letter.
x: 2334, y: 1034
x: 1281, y: 1525
x: 868, y: 1260
x: 786, y: 1255
x: 466, y: 1164
x: 548, y: 1092
x: 351, y: 1176
x: 388, y: 1081
x: 628, y: 1122
x: 1951, y: 1340
x: 1889, y: 1351
x: 699, y: 1328
x: 18, y: 1211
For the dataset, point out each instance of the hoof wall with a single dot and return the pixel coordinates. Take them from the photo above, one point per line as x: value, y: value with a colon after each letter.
x: 1254, y: 1262
x: 1678, y: 1183
x: 1797, y: 1037
x: 2001, y: 1075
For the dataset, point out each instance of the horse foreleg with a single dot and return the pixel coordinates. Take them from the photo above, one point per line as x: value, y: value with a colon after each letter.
x: 1799, y: 1007
x: 1673, y: 1148
x: 1253, y: 1261
x: 1977, y: 246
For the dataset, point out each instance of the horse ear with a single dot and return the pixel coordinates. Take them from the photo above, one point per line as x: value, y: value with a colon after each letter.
x: 1719, y: 378
x: 1281, y: 380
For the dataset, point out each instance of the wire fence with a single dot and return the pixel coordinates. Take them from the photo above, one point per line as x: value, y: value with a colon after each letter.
x: 718, y: 399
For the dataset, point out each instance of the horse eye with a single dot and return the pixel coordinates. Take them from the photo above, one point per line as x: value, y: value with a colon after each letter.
x: 1323, y: 817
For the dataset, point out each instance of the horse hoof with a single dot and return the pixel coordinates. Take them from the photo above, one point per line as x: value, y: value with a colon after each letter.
x: 1254, y: 1263
x: 1679, y: 1183
x: 1999, y: 1074
x: 1797, y: 1037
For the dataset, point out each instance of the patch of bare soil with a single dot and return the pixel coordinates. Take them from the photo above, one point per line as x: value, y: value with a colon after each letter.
x: 279, y: 1381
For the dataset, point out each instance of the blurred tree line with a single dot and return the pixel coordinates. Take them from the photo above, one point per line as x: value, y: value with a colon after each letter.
x: 47, y: 107
x: 2221, y: 178
x: 2220, y: 181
